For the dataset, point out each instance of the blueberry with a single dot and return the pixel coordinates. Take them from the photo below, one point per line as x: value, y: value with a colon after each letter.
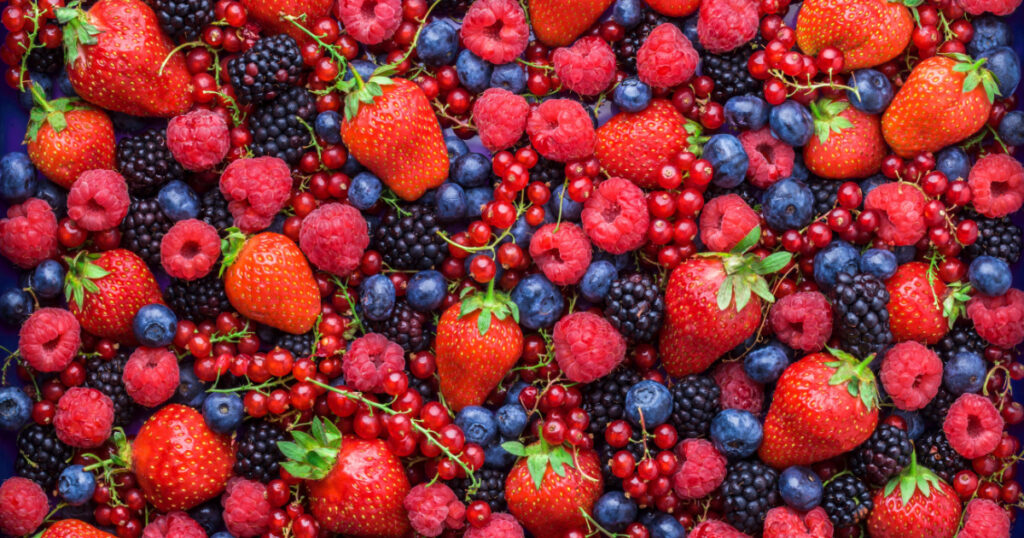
x: 54, y: 195
x: 377, y: 297
x: 788, y: 205
x: 438, y: 44
x: 878, y: 262
x: 791, y: 123
x: 456, y: 148
x: 837, y: 257
x: 665, y: 526
x: 76, y: 485
x: 628, y: 13
x: 800, y: 488
x: 15, y: 408
x: 726, y: 155
x: 64, y: 84
x: 650, y: 399
x: 746, y: 112
x: 800, y: 170
x: 509, y: 76
x: 570, y: 209
x: 17, y: 178
x: 905, y: 254
x: 328, y: 126
x: 478, y: 425
x: 352, y: 166
x: 512, y: 420
x: 476, y: 198
x: 869, y: 184
x: 209, y: 516
x: 474, y: 73
x: 1005, y: 65
x: 596, y: 281
x: 990, y: 276
x: 16, y: 305
x: 690, y: 31
x: 223, y: 411
x: 222, y: 535
x: 191, y: 391
x: 426, y: 290
x: 965, y: 372
x: 874, y: 91
x: 766, y: 363
x: 155, y: 325
x: 471, y: 170
x: 736, y: 433
x: 1011, y: 128
x: 365, y: 68
x: 539, y: 301
x: 498, y: 458
x: 178, y: 201
x: 512, y: 398
x: 632, y: 95
x: 915, y: 423
x: 364, y: 191
x: 521, y: 231
x: 48, y: 279
x: 989, y: 32
x: 451, y: 202
x: 614, y: 511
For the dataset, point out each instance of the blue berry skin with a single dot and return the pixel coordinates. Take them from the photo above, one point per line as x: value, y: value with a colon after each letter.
x: 496, y: 457
x: 736, y: 433
x: 788, y: 205
x: 474, y: 72
x: 328, y: 126
x: 632, y: 95
x: 597, y: 280
x: 614, y: 511
x: 571, y: 209
x: 874, y: 91
x: 451, y: 202
x: 746, y: 112
x: 952, y: 161
x: 539, y: 301
x: 478, y: 425
x: 471, y: 170
x: 652, y: 400
x: 456, y: 146
x: 15, y: 408
x: 1005, y: 65
x: 965, y: 372
x: 905, y: 254
x: 800, y: 170
x: 426, y: 290
x: 791, y: 123
x: 155, y: 325
x: 521, y: 231
x: 990, y: 276
x: 867, y: 185
x: 800, y: 488
x: 223, y: 411
x: 352, y: 166
x: 509, y: 76
x: 76, y: 485
x: 178, y: 201
x: 377, y: 297
x: 766, y: 363
x: 365, y: 68
x: 837, y: 257
x: 191, y: 391
x: 439, y: 42
x: 364, y: 191
x: 726, y: 155
x: 915, y: 423
x: 477, y: 198
x: 663, y: 525
x: 878, y: 262
x: 628, y: 13
x: 64, y: 84
x: 1011, y: 128
x: 512, y: 420
x: 222, y: 535
x: 48, y: 279
x: 512, y: 398
x: 17, y: 178
x: 989, y: 32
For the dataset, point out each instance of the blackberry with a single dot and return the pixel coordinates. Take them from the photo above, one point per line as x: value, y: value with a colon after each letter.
x: 961, y: 338
x: 604, y: 400
x: 861, y: 318
x: 635, y: 306
x: 143, y: 228
x: 936, y: 410
x: 456, y: 8
x: 405, y: 327
x: 183, y: 20
x: 749, y: 492
x: 882, y: 456
x: 146, y: 163
x: 491, y: 490
x: 277, y: 126
x: 213, y: 210
x: 45, y: 60
x: 426, y: 387
x: 935, y: 453
x: 626, y: 49
x: 729, y: 71
x: 846, y: 500
x: 41, y: 455
x: 268, y: 69
x: 301, y: 345
x: 999, y: 238
x: 825, y: 194
x: 410, y: 241
x: 105, y: 376
x: 750, y: 194
x: 694, y: 404
x: 256, y: 454
x: 198, y: 300
x: 551, y: 173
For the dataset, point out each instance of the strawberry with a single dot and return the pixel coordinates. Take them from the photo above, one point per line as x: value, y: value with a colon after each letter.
x: 848, y: 143
x: 674, y: 8
x: 868, y: 32
x: 915, y: 503
x: 273, y: 15
x: 119, y: 59
x: 179, y: 461
x: 557, y: 23
x: 478, y: 341
x: 549, y: 486
x: 636, y: 146
x: 105, y: 291
x: 943, y: 101
x: 824, y: 405
x: 916, y: 309
x: 74, y: 528
x: 391, y: 129
x: 66, y: 137
x: 269, y: 280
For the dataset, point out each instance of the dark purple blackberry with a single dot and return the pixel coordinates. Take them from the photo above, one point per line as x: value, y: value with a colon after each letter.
x: 198, y: 300
x: 406, y: 327
x: 750, y: 194
x: 279, y: 127
x: 45, y: 60
x: 961, y: 338
x: 256, y: 454
x: 300, y: 345
x: 729, y: 71
x: 825, y: 194
x: 41, y: 455
x: 694, y: 404
x: 410, y: 240
x: 143, y: 228
x: 935, y: 453
x: 861, y: 318
x: 998, y: 238
x: 146, y: 163
x: 604, y: 400
x: 626, y: 49
x: 936, y: 410
x: 183, y: 20
x: 491, y: 489
x: 846, y: 500
x: 551, y: 173
x: 213, y: 210
x: 635, y: 306
x: 749, y: 492
x: 105, y: 376
x: 266, y: 70
x: 882, y: 456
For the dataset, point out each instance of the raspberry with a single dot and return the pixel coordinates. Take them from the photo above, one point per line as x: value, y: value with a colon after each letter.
x: 495, y: 30
x: 246, y: 508
x: 701, y: 469
x: 725, y: 221
x: 151, y: 375
x: 911, y: 375
x: 98, y: 200
x: 29, y: 233
x: 561, y: 130
x: 770, y: 159
x: 713, y: 528
x: 369, y: 360
x: 49, y: 339
x: 973, y: 426
x: 174, y: 525
x: 562, y: 252
x: 997, y: 185
x: 784, y: 522
x: 198, y: 140
x: 84, y: 417
x: 996, y: 7
x: 723, y: 25
x: 738, y: 391
x: 370, y: 21
x: 23, y: 506
x: 587, y: 67
x: 667, y: 58
x: 587, y: 346
x: 900, y: 210
x: 500, y: 118
x: 984, y: 519
x: 802, y: 320
x: 615, y: 216
x: 999, y: 320
x: 256, y: 189
x: 433, y: 508
x: 334, y: 237
x: 501, y: 525
x: 190, y: 249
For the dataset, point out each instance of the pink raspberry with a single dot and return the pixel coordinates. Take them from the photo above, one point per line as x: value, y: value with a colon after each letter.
x: 725, y: 221
x: 501, y: 525
x: 911, y: 375
x: 334, y: 237
x: 984, y: 519
x: 973, y: 426
x: 49, y: 339
x: 667, y: 58
x: 198, y: 140
x: 190, y: 249
x: 723, y: 25
x: 246, y: 508
x: 98, y: 200
x: 587, y: 346
x: 369, y: 360
x: 784, y: 522
x: 802, y: 320
x: 562, y: 252
x: 561, y: 130
x: 701, y: 469
x: 495, y: 30
x: 738, y: 390
x: 370, y: 21
x: 23, y: 506
x: 84, y: 417
x: 713, y: 528
x: 900, y: 210
x: 770, y: 159
x: 256, y: 189
x: 174, y: 525
x: 997, y: 185
x: 500, y: 118
x: 996, y: 7
x: 434, y: 508
x: 615, y: 216
x: 151, y: 375
x: 999, y: 320
x: 29, y: 233
x: 587, y: 67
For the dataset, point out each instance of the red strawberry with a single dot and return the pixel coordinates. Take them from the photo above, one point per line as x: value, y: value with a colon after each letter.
x: 868, y: 32
x: 636, y: 146
x: 271, y: 15
x: 916, y: 309
x: 557, y: 23
x: 824, y: 405
x: 66, y: 137
x: 847, y: 143
x: 915, y: 503
x: 105, y: 291
x: 549, y: 486
x: 674, y: 8
x: 74, y: 528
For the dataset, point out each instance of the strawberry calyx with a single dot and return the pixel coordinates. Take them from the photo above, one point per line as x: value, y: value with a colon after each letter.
x: 490, y: 304
x: 827, y: 119
x: 696, y: 139
x: 80, y: 276
x: 912, y: 479
x: 955, y: 304
x: 538, y: 456
x: 856, y: 375
x: 312, y: 456
x: 49, y: 112
x: 745, y: 272
x: 975, y: 74
x: 230, y: 247
x: 77, y: 30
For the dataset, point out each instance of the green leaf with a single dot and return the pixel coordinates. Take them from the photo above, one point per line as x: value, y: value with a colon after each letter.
x: 971, y: 81
x: 483, y: 321
x: 65, y: 14
x: 760, y: 288
x: 291, y: 450
x: 962, y: 67
x: 514, y: 309
x: 748, y: 241
x: 537, y: 465
x: 821, y: 130
x: 515, y: 448
x: 924, y: 486
x: 742, y: 292
x: 304, y: 440
x: 907, y: 487
x: 90, y: 287
x: 318, y: 431
x: 724, y: 296
x: 772, y: 263
x: 93, y: 271
x: 890, y: 486
x: 318, y: 461
x: 560, y: 458
x: 841, y: 123
x: 299, y: 470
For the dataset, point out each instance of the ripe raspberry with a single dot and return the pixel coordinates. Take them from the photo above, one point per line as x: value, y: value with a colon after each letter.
x: 770, y: 159
x: 701, y: 469
x: 334, y: 237
x: 784, y: 522
x: 49, y: 339
x: 723, y: 25
x: 562, y: 252
x: 587, y: 67
x: 151, y: 375
x: 615, y: 216
x: 587, y: 346
x: 900, y: 210
x: 500, y: 118
x: 738, y: 391
x: 174, y: 525
x: 369, y: 360
x: 802, y: 320
x: 973, y: 426
x: 370, y: 21
x: 190, y: 249
x: 84, y: 417
x: 725, y: 221
x: 198, y: 140
x: 246, y: 508
x: 561, y: 130
x: 997, y: 185
x: 501, y: 525
x: 23, y: 506
x: 713, y: 528
x: 434, y: 508
x: 996, y: 7
x: 29, y: 233
x: 999, y: 320
x: 98, y: 200
x: 911, y: 375
x: 984, y: 519
x: 495, y: 30
x: 256, y: 189
x: 667, y: 58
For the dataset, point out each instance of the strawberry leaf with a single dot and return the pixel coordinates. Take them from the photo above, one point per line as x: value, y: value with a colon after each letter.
x: 760, y: 288
x: 304, y: 440
x: 773, y: 263
x: 724, y: 296
x: 748, y: 241
x: 537, y: 465
x: 907, y: 488
x: 483, y: 321
x: 741, y: 290
x: 317, y: 429
x: 298, y: 469
x: 291, y: 450
x: 971, y: 81
x: 560, y: 458
x: 514, y: 447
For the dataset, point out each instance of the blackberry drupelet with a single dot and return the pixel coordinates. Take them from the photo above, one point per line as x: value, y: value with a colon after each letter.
x: 825, y: 194
x: 41, y: 455
x: 935, y: 453
x: 729, y: 71
x: 143, y: 228
x: 301, y: 345
x: 491, y: 490
x: 267, y: 70
x: 277, y: 126
x: 635, y: 306
x: 882, y: 456
x: 861, y: 319
x: 105, y: 376
x: 961, y: 338
x: 198, y: 300
x: 999, y: 238
x: 749, y: 492
x: 183, y: 20
x: 256, y: 454
x: 626, y: 49
x: 45, y: 60
x: 146, y: 163
x: 846, y: 500
x: 551, y: 173
x: 604, y: 400
x: 936, y: 410
x: 410, y: 241
x: 750, y: 194
x: 405, y: 327
x: 213, y: 210
x: 694, y: 404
